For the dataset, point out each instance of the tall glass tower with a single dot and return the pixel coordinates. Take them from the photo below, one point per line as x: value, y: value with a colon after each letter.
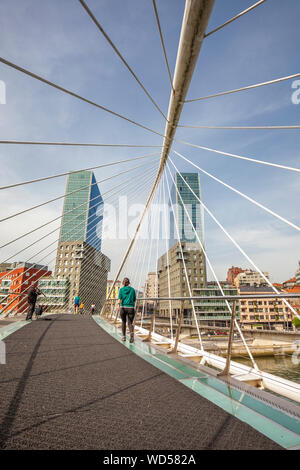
x: 81, y: 219
x: 193, y: 206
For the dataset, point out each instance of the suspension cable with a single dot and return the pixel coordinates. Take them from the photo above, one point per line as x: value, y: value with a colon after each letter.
x: 75, y: 171
x: 72, y: 144
x: 234, y: 18
x: 227, y: 154
x: 34, y: 273
x: 246, y: 256
x: 183, y: 260
x: 210, y: 265
x: 58, y: 228
x: 92, y: 16
x: 75, y: 95
x: 127, y: 183
x: 89, y: 258
x: 249, y: 87
x: 67, y: 194
x: 163, y: 43
x: 167, y: 256
x: 241, y: 127
x: 266, y: 209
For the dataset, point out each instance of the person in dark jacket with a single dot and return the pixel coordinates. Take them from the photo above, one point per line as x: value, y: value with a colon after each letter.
x: 33, y: 292
x: 127, y: 298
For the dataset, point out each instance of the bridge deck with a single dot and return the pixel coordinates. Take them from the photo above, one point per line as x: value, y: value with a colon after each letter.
x: 69, y: 385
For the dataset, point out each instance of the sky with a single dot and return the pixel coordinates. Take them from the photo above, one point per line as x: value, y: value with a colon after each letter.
x: 58, y: 41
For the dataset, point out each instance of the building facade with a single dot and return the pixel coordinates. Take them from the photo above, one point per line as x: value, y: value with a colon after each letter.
x: 250, y: 278
x: 263, y: 313
x: 196, y: 270
x: 295, y: 303
x: 151, y: 285
x: 56, y: 294
x: 289, y: 284
x: 232, y: 273
x: 83, y: 209
x: 86, y: 269
x: 193, y: 207
x: 115, y: 292
x: 214, y: 312
x: 298, y: 275
x: 79, y: 257
x: 14, y: 285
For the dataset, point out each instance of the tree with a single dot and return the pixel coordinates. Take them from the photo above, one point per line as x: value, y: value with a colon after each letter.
x: 296, y: 322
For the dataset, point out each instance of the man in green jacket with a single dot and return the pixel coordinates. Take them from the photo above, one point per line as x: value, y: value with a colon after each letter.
x: 127, y: 298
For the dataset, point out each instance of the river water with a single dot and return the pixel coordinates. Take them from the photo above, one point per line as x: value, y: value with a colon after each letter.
x: 281, y: 366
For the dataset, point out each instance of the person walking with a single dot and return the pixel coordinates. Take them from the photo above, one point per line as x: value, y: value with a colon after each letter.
x: 76, y: 303
x: 32, y: 295
x: 126, y: 303
x: 81, y: 309
x: 93, y: 309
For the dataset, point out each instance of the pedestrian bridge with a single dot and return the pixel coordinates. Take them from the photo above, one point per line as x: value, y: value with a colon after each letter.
x: 70, y: 383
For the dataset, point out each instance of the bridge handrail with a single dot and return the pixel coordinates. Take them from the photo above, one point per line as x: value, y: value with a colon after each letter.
x: 225, y: 297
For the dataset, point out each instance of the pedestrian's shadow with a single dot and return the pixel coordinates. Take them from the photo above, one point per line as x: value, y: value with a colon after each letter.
x: 8, y: 420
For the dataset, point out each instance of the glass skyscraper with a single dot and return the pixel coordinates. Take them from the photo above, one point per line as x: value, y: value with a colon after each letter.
x: 193, y: 206
x: 81, y: 219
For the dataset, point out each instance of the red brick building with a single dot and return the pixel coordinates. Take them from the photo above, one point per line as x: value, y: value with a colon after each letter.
x: 232, y: 273
x: 14, y: 284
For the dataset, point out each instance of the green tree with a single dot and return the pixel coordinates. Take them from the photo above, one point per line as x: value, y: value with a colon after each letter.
x: 296, y: 322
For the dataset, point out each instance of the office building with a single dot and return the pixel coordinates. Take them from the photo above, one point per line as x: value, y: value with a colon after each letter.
x: 83, y: 210
x: 79, y: 257
x: 214, y: 312
x: 193, y: 207
x: 196, y: 271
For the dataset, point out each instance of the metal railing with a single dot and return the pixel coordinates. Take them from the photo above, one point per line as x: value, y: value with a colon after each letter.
x: 225, y: 297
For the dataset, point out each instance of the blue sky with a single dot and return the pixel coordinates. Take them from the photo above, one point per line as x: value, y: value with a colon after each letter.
x: 58, y: 40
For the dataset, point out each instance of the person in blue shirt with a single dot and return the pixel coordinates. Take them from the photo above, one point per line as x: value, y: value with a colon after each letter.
x: 76, y: 303
x: 126, y: 303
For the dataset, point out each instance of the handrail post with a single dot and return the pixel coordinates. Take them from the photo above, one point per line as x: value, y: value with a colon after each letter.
x: 174, y: 350
x: 230, y: 340
x: 110, y: 315
x: 148, y: 339
x: 117, y: 314
x: 136, y: 312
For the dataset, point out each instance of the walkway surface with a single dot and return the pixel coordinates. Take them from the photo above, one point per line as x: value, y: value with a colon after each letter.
x: 68, y: 384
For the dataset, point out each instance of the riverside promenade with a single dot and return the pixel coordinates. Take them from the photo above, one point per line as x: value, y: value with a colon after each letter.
x: 69, y: 384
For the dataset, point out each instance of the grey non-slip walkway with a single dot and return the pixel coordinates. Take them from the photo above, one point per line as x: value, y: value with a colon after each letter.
x: 68, y: 384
